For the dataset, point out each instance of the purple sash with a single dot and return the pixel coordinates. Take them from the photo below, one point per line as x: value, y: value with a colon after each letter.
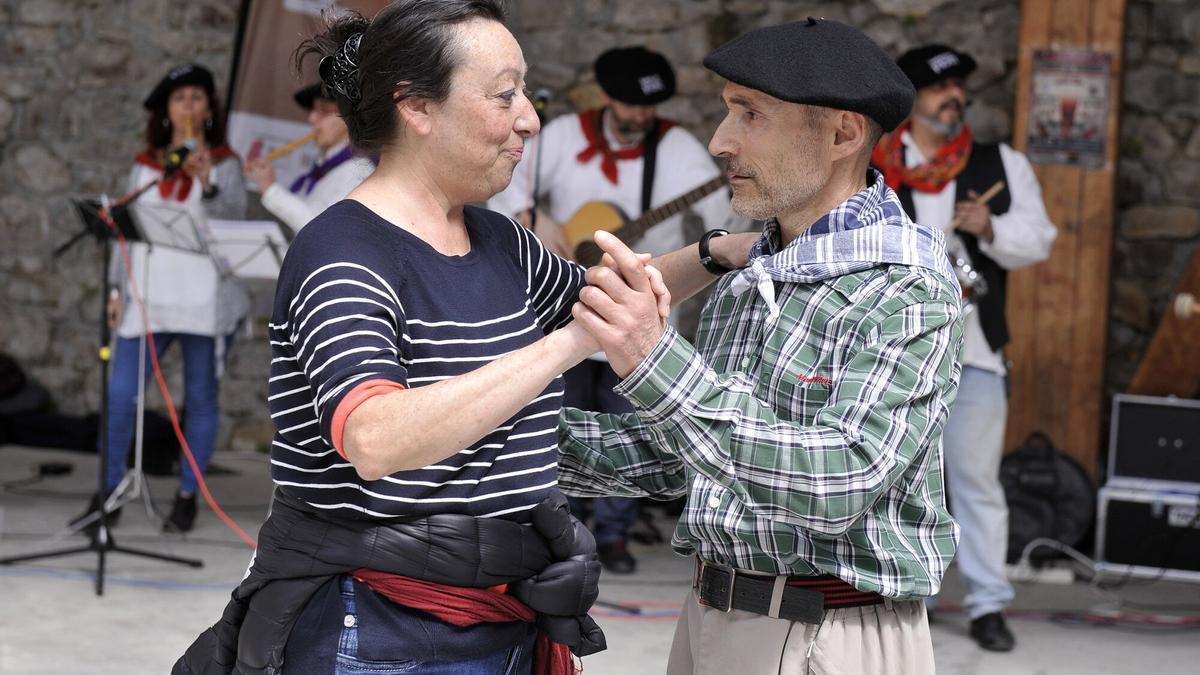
x: 305, y: 183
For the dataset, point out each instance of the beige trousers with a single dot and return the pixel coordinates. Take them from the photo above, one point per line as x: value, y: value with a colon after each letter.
x: 888, y: 638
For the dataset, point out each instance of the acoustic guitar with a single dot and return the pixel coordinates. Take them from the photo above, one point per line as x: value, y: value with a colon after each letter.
x: 595, y: 216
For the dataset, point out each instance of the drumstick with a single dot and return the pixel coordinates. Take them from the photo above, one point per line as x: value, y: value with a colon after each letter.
x: 981, y: 200
x: 290, y: 146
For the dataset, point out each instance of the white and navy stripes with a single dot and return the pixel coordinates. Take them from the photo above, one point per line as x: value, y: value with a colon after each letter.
x: 360, y: 299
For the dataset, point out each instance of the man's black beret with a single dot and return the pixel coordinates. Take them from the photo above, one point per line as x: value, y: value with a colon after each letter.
x: 818, y: 62
x: 180, y: 76
x: 635, y: 75
x: 305, y: 97
x: 933, y: 63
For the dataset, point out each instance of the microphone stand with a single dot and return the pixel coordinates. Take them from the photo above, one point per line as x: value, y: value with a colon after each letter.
x: 540, y: 98
x: 100, y: 538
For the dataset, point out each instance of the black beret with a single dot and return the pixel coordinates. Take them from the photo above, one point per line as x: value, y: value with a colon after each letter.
x: 305, y: 97
x: 933, y: 63
x: 180, y: 76
x: 818, y: 62
x: 635, y: 76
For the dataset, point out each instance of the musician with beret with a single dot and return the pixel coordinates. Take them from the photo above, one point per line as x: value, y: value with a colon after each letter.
x: 625, y: 154
x: 336, y: 172
x: 186, y: 299
x: 941, y: 174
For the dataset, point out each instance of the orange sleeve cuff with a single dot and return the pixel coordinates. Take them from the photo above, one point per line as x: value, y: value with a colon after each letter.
x: 361, y: 392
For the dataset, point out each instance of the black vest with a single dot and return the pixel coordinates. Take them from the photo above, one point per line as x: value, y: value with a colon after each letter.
x: 983, y: 169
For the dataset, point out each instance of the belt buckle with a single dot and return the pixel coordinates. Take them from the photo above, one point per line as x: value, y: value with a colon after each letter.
x: 704, y: 564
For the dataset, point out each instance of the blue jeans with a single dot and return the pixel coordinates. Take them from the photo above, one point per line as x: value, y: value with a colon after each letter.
x: 589, y: 386
x: 973, y: 443
x: 514, y: 661
x: 200, y: 386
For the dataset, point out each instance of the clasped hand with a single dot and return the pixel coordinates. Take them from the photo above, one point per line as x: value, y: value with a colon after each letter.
x: 625, y: 305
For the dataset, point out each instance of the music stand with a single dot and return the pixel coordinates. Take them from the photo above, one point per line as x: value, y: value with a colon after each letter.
x: 102, y: 222
x: 248, y: 249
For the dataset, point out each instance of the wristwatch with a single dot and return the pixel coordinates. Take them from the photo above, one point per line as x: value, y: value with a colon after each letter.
x: 706, y: 258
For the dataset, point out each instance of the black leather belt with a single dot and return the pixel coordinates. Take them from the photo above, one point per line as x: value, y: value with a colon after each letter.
x: 793, y: 598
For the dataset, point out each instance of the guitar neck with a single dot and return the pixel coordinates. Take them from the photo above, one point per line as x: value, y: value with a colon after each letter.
x: 634, y: 229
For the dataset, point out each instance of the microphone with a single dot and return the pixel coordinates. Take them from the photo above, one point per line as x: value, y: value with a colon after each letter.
x: 177, y: 157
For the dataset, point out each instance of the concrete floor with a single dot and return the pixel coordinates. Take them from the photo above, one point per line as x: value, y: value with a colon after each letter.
x: 51, y: 620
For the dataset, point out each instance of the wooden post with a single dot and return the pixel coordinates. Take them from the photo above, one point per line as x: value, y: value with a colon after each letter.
x: 1058, y: 310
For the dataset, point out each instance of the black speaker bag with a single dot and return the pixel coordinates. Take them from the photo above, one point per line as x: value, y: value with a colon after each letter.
x: 1048, y: 494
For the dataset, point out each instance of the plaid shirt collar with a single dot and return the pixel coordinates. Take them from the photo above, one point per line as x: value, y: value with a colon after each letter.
x: 868, y: 229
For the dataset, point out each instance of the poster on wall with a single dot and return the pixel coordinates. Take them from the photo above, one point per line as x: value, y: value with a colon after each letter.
x: 1068, y: 112
x: 262, y: 114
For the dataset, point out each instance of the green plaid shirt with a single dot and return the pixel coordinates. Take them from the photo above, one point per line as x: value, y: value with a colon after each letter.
x: 806, y: 444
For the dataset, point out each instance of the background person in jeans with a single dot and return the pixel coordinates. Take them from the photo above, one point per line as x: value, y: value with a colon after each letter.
x: 187, y: 300
x: 938, y: 170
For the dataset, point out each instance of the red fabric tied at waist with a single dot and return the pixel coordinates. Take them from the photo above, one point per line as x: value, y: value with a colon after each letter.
x: 463, y: 607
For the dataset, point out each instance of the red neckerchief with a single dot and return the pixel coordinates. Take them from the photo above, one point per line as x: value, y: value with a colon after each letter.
x: 931, y: 176
x: 467, y: 607
x: 179, y: 184
x: 592, y: 122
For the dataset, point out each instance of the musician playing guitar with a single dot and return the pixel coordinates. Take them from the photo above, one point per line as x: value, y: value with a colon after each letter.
x: 625, y: 155
x: 335, y: 173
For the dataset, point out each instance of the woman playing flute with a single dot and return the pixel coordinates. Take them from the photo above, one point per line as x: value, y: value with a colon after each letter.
x: 186, y: 300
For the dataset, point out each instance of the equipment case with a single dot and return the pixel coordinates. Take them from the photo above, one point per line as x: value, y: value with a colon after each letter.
x: 1149, y: 534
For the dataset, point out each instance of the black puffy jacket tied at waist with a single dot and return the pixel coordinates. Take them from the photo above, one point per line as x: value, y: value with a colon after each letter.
x: 551, y: 567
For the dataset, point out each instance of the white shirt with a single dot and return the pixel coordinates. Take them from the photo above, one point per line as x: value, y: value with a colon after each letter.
x: 682, y: 164
x: 183, y: 292
x: 297, y: 210
x: 1023, y: 235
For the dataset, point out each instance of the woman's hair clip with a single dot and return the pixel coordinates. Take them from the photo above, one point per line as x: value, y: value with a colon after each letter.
x: 339, y: 71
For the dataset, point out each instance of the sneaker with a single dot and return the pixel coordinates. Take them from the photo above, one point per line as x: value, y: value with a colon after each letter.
x: 183, y: 514
x: 89, y: 521
x: 616, y: 559
x: 991, y: 633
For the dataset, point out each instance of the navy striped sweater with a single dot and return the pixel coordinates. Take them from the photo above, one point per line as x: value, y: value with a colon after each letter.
x: 361, y: 300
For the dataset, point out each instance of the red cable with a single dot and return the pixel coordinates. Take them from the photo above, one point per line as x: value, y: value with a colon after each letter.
x: 166, y: 392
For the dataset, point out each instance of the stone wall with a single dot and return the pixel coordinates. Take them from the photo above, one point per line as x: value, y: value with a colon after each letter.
x: 1158, y: 195
x: 72, y: 78
x: 561, y: 39
x: 74, y: 73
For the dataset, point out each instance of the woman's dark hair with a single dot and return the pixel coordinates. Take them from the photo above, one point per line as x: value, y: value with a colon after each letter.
x: 407, y: 50
x: 159, y: 131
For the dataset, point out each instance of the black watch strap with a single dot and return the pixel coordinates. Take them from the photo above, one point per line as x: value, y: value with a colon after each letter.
x: 706, y: 258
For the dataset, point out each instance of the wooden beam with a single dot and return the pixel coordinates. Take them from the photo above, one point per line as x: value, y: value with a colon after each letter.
x: 1058, y: 310
x: 1022, y: 288
x: 1087, y: 404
